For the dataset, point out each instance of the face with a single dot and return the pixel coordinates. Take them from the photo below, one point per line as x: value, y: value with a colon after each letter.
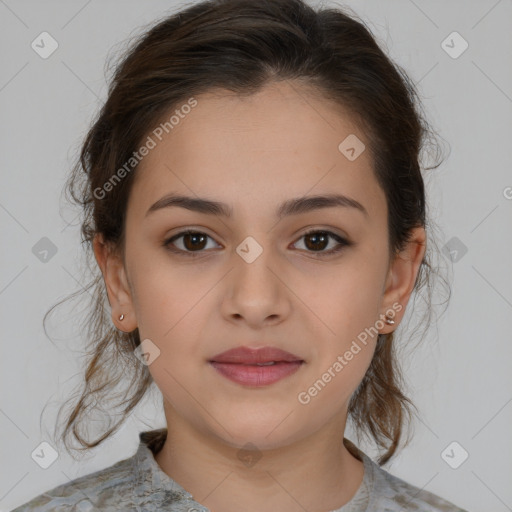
x: 255, y: 278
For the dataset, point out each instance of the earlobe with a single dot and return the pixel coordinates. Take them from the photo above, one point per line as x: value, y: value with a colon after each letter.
x: 116, y: 284
x: 402, y: 275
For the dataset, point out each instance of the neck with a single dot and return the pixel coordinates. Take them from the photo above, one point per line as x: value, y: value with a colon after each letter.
x: 314, y: 473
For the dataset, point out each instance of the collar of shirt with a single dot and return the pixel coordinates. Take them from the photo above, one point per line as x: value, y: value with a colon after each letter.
x: 154, y: 490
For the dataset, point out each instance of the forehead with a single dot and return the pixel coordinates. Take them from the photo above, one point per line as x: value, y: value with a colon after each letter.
x: 280, y: 142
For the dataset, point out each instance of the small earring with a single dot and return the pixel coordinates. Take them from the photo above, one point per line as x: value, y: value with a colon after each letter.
x: 389, y: 321
x: 121, y: 317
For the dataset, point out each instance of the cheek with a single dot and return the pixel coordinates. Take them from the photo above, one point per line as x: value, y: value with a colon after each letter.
x: 347, y: 298
x: 164, y: 293
x: 349, y: 310
x: 340, y: 360
x: 179, y: 368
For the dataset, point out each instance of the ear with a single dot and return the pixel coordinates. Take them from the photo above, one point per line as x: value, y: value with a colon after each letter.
x: 401, y: 278
x: 116, y: 282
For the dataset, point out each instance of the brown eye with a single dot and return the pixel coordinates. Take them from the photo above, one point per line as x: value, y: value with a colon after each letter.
x: 192, y: 242
x: 317, y: 241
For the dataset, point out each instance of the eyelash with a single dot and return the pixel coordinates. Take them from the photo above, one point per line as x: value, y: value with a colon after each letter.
x: 342, y: 243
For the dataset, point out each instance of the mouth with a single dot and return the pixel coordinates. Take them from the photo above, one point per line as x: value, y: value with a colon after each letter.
x: 261, y: 355
x: 256, y: 367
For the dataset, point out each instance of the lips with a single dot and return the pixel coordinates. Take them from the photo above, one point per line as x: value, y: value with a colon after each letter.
x: 249, y: 356
x: 256, y: 367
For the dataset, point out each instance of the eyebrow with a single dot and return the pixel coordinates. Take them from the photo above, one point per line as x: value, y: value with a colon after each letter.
x: 290, y: 207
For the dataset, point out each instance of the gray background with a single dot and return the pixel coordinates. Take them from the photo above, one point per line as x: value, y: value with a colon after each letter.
x: 459, y: 376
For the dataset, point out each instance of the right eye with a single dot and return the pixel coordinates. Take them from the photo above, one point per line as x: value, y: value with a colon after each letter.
x: 192, y: 242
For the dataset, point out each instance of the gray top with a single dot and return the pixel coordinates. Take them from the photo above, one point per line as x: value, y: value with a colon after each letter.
x: 139, y: 484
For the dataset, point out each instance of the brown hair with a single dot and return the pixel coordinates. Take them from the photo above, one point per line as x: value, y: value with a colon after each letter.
x: 241, y: 45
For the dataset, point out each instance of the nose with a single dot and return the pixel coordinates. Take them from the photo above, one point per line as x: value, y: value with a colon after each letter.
x: 256, y: 291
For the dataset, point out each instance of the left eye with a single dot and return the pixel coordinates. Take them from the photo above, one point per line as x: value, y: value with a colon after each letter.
x: 317, y: 241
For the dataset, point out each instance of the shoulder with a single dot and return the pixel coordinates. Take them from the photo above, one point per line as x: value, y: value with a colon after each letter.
x: 390, y: 494
x: 106, y: 490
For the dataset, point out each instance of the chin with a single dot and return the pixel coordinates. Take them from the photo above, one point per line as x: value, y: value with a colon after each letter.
x: 264, y: 433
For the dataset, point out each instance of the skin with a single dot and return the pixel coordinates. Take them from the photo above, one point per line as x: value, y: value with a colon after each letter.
x: 253, y: 153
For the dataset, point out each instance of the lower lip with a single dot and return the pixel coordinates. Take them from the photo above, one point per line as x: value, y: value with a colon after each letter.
x: 253, y: 375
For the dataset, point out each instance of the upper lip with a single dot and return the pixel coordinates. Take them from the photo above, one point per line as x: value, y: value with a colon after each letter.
x: 247, y: 355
